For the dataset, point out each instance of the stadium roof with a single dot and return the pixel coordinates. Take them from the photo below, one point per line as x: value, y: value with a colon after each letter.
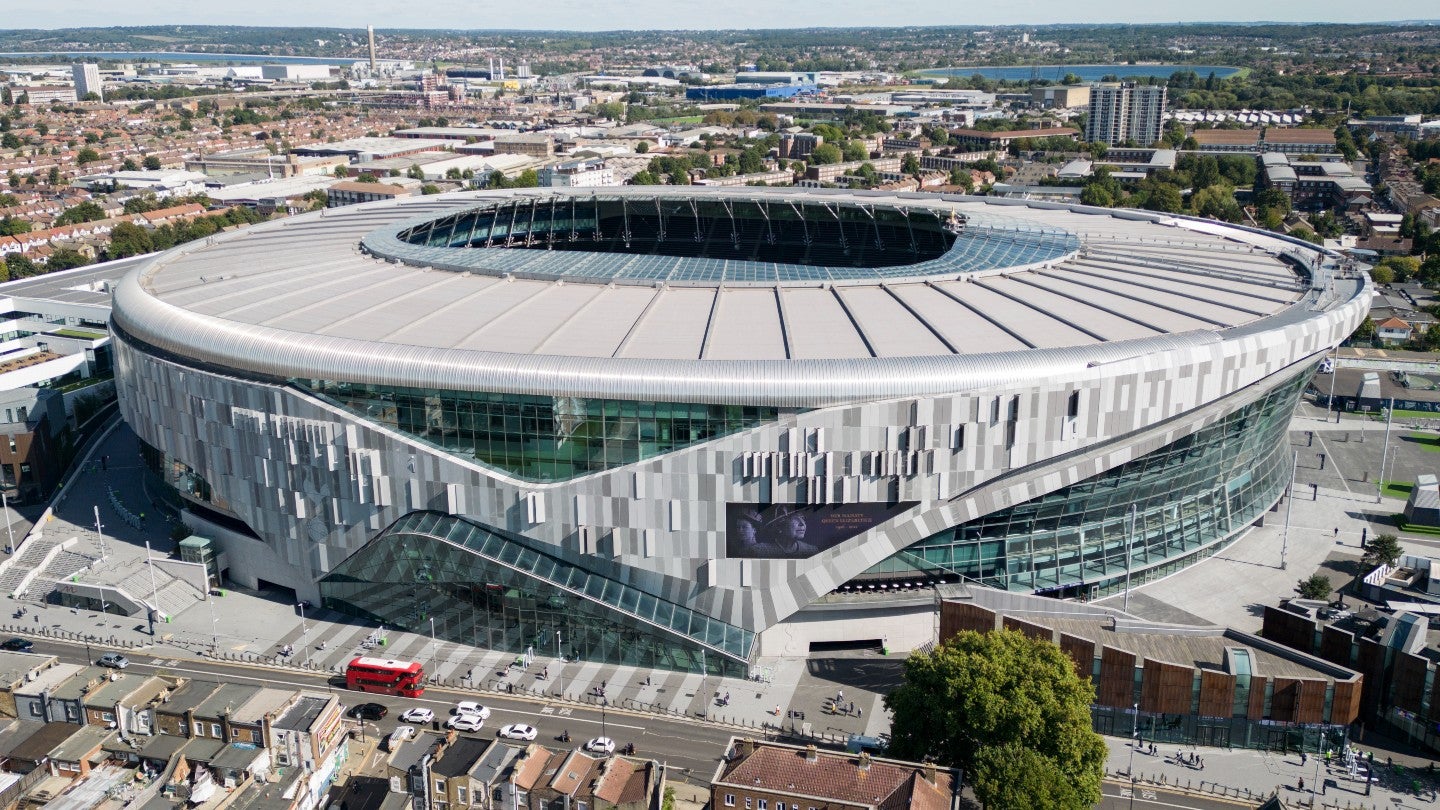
x: 300, y: 298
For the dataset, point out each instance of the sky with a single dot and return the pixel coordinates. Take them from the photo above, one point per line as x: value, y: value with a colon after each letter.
x: 592, y: 15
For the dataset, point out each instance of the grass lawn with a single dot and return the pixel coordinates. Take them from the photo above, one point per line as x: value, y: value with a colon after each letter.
x: 1401, y: 413
x: 1426, y: 441
x: 1397, y: 489
x: 1416, y: 528
x: 82, y: 334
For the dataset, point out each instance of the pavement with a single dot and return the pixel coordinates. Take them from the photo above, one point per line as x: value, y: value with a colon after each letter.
x: 1251, y: 776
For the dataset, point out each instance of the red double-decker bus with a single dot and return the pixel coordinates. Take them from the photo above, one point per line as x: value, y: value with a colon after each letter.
x: 385, y: 676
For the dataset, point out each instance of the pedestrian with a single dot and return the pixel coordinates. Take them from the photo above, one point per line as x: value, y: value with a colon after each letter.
x: 1337, y: 531
x: 850, y: 709
x: 1302, y: 784
x: 1302, y: 757
x: 862, y: 713
x: 777, y: 710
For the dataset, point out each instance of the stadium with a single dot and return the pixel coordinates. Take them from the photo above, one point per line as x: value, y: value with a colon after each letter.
x: 687, y: 427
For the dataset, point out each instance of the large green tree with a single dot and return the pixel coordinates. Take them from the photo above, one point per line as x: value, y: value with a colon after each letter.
x: 1384, y: 549
x: 128, y: 239
x: 980, y: 699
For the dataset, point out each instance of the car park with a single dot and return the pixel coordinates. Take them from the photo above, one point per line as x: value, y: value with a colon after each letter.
x: 601, y: 745
x: 18, y: 645
x: 417, y: 714
x: 471, y: 707
x: 367, y: 711
x: 465, y: 722
x: 518, y: 731
x: 114, y: 661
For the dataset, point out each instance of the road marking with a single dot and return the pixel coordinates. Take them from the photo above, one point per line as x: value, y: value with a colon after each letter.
x: 548, y: 710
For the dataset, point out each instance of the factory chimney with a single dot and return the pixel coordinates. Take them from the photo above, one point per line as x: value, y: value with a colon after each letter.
x: 370, y: 30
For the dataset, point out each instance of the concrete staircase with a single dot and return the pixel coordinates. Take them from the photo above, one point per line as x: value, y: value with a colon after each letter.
x: 15, y: 571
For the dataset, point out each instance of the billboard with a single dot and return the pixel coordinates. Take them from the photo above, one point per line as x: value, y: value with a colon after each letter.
x: 789, y: 532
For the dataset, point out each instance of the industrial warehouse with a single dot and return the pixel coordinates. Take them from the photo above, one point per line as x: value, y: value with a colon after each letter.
x: 685, y: 427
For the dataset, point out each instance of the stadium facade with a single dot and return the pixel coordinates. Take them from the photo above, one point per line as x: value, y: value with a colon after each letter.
x: 686, y: 427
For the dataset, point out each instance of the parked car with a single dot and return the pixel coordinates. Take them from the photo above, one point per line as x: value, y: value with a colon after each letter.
x: 471, y: 707
x: 465, y: 722
x: 114, y: 661
x: 18, y: 645
x: 417, y: 714
x: 367, y: 711
x: 601, y: 745
x: 518, y: 731
x: 398, y: 736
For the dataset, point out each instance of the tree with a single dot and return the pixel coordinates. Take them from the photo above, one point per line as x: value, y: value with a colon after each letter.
x: 854, y: 150
x: 18, y: 266
x: 429, y: 188
x: 151, y: 163
x: 644, y: 178
x: 980, y: 698
x: 526, y: 179
x: 367, y: 178
x: 128, y: 165
x: 1382, y: 274
x: 11, y: 226
x: 1317, y: 586
x: 86, y: 155
x: 826, y: 153
x: 129, y: 239
x: 1164, y: 197
x: 415, y: 172
x: 911, y: 164
x: 641, y: 147
x: 1366, y: 329
x: 1384, y: 549
x: 1097, y: 195
x: 66, y: 258
x: 87, y: 211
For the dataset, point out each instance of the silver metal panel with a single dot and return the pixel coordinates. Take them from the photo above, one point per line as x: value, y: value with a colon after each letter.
x: 673, y: 327
x: 1037, y: 328
x: 966, y: 331
x: 1079, y: 313
x: 746, y: 326
x: 598, y: 329
x: 817, y: 327
x: 891, y: 328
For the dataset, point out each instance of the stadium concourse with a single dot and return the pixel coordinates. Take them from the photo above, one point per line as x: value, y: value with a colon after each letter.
x: 684, y: 429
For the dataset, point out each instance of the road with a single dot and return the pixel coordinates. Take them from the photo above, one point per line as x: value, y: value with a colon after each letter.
x: 692, y: 748
x: 1118, y: 797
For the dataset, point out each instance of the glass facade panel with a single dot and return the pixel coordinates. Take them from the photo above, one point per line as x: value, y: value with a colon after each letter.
x: 1187, y: 496
x: 541, y: 438
x: 493, y: 590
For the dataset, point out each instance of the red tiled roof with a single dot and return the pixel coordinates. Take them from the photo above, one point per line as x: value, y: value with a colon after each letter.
x: 1392, y: 323
x: 784, y: 769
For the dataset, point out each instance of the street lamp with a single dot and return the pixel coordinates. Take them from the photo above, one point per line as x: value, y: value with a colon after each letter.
x: 154, y: 592
x: 9, y: 529
x: 214, y: 631
x: 303, y: 631
x: 100, y: 533
x: 603, y: 703
x: 1134, y: 743
x: 434, y: 644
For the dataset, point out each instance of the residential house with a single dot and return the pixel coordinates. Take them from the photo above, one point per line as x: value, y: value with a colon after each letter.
x: 754, y: 775
x: 16, y: 670
x: 77, y: 753
x: 32, y: 699
x: 107, y: 704
x: 1394, y: 331
x: 174, y: 711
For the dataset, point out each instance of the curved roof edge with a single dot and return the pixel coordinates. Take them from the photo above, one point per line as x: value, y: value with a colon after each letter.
x: 286, y: 354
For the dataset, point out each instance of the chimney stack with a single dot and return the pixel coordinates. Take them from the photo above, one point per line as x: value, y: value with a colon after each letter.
x: 930, y: 772
x: 370, y: 31
x: 812, y: 754
x: 864, y: 763
x: 744, y: 748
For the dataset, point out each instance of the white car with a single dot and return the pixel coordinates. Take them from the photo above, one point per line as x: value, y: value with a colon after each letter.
x: 601, y: 745
x: 518, y: 731
x: 417, y: 714
x: 465, y: 722
x: 471, y: 707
